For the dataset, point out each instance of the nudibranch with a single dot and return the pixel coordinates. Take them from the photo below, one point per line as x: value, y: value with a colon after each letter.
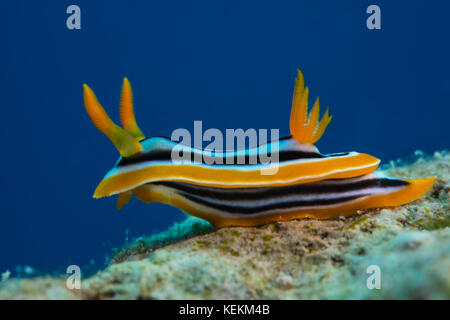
x: 226, y: 193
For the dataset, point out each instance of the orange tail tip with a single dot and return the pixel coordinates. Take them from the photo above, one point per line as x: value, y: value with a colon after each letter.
x: 305, y: 127
x: 416, y: 189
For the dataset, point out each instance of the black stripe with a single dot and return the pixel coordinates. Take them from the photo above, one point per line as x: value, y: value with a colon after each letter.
x: 166, y: 155
x: 259, y: 209
x: 261, y: 193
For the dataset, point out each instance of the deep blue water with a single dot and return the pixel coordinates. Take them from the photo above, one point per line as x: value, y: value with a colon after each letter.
x: 229, y: 64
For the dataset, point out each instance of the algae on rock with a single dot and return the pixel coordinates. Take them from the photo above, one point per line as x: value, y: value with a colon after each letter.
x: 300, y: 259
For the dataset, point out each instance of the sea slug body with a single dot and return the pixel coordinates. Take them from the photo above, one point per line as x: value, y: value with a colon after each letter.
x: 226, y: 193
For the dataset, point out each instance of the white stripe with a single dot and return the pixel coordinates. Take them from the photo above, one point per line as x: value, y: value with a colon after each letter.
x: 225, y: 215
x: 245, y: 168
x: 249, y: 204
x: 310, y: 197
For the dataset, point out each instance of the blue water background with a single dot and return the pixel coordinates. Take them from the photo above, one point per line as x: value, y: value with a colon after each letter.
x: 229, y: 63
